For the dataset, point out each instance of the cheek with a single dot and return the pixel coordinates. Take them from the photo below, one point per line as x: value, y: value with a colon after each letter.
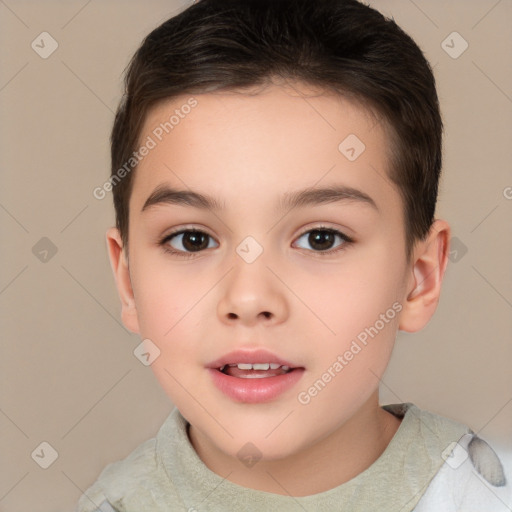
x: 170, y: 302
x: 167, y: 309
x: 165, y: 297
x: 359, y: 311
x: 353, y: 295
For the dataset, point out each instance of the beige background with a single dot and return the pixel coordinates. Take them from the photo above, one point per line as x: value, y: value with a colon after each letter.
x: 68, y: 373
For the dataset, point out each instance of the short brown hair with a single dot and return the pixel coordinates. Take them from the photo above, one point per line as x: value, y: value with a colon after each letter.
x: 342, y: 46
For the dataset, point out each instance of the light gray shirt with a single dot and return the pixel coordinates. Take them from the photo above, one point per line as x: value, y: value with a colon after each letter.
x: 431, y: 464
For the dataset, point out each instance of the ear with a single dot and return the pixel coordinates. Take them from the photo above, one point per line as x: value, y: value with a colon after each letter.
x: 119, y: 264
x: 430, y: 258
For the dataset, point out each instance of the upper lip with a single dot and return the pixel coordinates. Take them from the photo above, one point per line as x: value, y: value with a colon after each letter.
x: 249, y: 356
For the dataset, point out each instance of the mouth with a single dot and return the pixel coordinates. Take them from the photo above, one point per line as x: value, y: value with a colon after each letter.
x: 253, y: 364
x: 254, y: 376
x: 254, y: 370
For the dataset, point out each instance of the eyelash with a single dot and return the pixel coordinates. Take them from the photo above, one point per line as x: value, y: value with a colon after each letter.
x: 183, y: 254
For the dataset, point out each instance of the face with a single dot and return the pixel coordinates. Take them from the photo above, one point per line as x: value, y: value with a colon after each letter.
x: 254, y: 276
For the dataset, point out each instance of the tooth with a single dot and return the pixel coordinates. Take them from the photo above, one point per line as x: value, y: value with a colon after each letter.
x: 285, y: 368
x: 261, y: 366
x: 274, y: 366
x: 254, y: 376
x: 244, y: 366
x: 222, y: 367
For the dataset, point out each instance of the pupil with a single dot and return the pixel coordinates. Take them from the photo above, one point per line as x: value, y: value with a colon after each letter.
x: 321, y: 239
x: 194, y: 241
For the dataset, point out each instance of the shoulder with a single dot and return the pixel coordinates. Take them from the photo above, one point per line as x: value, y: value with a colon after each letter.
x: 473, y: 477
x: 428, y: 423
x: 464, y: 472
x: 118, y: 478
x: 140, y: 480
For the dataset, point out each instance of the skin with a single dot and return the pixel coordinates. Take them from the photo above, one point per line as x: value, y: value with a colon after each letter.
x: 248, y: 150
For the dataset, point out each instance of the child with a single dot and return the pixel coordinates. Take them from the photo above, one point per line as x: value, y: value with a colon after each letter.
x: 275, y: 168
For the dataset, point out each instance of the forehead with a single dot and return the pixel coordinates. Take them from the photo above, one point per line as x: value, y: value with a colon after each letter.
x: 274, y: 139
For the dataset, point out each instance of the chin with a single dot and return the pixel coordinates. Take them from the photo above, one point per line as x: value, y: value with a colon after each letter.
x: 268, y: 443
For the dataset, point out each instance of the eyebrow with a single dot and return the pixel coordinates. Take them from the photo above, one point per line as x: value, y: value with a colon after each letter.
x: 163, y: 194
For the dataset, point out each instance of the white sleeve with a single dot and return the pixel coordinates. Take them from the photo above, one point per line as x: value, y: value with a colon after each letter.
x: 473, y: 478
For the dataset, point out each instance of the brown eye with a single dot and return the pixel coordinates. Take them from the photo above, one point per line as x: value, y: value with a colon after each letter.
x: 322, y: 240
x: 188, y: 241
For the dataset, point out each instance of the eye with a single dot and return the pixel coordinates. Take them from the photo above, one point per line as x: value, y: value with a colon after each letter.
x: 321, y: 239
x: 186, y: 241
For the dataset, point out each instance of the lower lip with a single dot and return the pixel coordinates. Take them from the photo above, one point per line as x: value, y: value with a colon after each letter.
x: 256, y: 390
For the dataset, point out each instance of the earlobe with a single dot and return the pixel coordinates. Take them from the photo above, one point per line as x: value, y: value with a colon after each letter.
x: 427, y: 272
x: 120, y: 269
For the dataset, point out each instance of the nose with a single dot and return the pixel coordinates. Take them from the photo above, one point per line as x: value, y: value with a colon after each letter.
x: 251, y: 294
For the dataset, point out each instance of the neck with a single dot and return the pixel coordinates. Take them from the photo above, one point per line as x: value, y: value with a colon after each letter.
x: 332, y: 461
